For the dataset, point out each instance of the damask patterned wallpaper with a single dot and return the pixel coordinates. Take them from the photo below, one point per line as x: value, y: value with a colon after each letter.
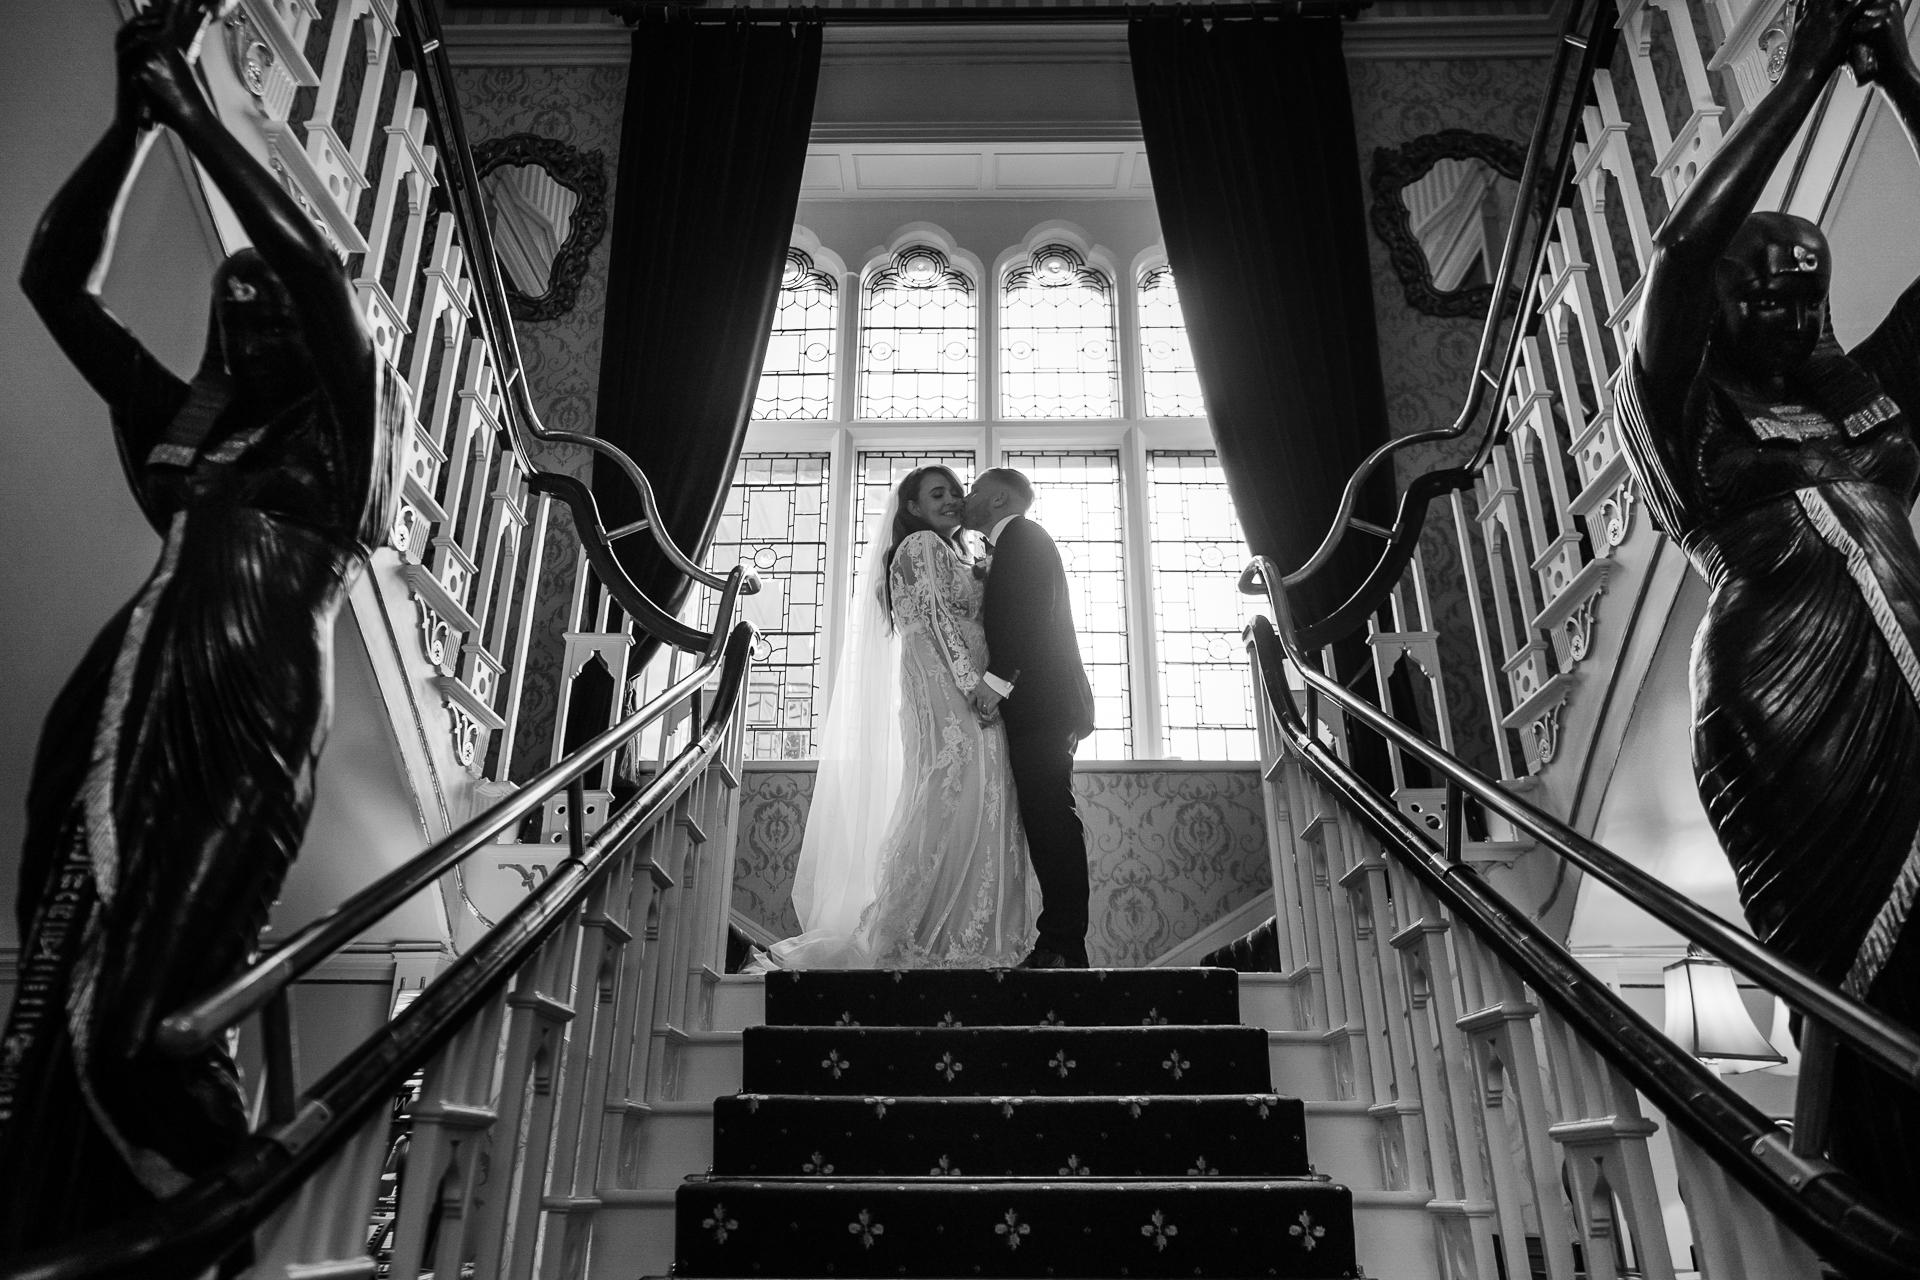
x: 1425, y: 360
x: 1171, y: 852
x: 580, y: 106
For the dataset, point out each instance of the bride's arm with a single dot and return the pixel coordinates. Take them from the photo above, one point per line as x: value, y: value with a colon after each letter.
x: 920, y: 583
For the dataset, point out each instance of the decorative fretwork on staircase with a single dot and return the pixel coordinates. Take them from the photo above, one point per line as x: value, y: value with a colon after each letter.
x: 1551, y: 549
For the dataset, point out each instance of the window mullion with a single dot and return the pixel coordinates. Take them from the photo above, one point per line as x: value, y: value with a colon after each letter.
x: 1149, y: 739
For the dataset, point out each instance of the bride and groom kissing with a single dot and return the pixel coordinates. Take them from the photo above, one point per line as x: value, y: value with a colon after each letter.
x: 943, y: 831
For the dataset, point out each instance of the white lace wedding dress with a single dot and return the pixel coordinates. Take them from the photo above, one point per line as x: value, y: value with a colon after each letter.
x: 914, y: 855
x: 954, y: 885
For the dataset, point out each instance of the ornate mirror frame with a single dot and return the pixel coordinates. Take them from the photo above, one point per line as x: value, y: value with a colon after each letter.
x: 1393, y: 169
x: 583, y: 173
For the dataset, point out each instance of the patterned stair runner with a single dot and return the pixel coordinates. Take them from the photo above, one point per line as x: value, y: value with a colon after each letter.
x: 1004, y: 1123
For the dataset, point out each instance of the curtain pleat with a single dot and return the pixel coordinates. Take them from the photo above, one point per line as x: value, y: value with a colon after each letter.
x: 1249, y: 132
x: 712, y: 146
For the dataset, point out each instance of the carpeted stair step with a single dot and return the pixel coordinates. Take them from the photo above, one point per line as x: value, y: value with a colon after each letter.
x: 788, y: 1136
x: 1002, y: 997
x: 995, y: 1060
x: 939, y: 1227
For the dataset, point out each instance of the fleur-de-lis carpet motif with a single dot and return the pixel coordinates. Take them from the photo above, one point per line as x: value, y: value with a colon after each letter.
x: 1088, y: 1100
x: 865, y: 1227
x: 720, y: 1224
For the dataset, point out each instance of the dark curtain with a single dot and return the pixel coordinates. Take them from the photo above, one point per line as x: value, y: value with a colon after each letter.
x: 1249, y: 131
x: 711, y: 148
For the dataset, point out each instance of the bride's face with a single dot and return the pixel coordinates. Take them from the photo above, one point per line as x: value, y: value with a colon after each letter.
x: 941, y: 504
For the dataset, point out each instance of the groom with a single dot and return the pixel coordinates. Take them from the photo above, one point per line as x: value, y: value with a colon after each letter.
x: 1035, y: 678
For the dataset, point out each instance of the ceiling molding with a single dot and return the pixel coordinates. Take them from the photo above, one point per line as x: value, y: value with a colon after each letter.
x: 977, y: 171
x: 1369, y: 38
x: 974, y: 132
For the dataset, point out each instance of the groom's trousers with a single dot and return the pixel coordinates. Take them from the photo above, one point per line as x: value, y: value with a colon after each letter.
x: 1056, y: 842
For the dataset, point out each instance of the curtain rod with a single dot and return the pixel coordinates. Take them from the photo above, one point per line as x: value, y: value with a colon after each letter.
x: 988, y: 14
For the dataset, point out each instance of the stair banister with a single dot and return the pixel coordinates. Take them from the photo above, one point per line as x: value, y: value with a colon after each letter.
x: 1811, y: 1195
x: 316, y: 1168
x: 1548, y: 166
x: 194, y: 1028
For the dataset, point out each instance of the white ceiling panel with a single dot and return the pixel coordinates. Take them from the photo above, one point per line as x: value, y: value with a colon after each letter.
x: 1070, y: 170
x: 895, y: 171
x: 822, y: 172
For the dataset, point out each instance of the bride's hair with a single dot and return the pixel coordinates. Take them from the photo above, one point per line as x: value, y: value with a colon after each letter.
x: 906, y: 523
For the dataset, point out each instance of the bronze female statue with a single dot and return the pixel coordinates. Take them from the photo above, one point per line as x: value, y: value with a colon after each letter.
x: 1786, y: 468
x: 174, y: 776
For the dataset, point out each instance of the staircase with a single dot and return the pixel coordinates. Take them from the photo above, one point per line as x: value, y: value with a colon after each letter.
x: 1009, y: 1123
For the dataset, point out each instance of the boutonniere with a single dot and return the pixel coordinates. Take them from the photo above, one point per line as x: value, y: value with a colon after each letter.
x: 982, y: 567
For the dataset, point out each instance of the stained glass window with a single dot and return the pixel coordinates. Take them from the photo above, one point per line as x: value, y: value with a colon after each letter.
x: 1077, y: 498
x: 796, y: 381
x: 1169, y: 379
x: 1057, y: 352
x: 879, y: 472
x: 917, y: 339
x: 776, y: 521
x: 1206, y: 694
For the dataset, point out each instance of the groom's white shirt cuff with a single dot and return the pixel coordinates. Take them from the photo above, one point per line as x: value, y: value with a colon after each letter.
x: 994, y: 682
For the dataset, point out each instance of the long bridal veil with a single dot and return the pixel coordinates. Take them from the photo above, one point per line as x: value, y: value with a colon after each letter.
x: 862, y: 757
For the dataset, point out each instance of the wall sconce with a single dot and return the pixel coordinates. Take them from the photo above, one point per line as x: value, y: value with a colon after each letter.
x: 1706, y: 1017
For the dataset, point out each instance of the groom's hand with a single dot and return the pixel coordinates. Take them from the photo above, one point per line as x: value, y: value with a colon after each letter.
x: 985, y: 701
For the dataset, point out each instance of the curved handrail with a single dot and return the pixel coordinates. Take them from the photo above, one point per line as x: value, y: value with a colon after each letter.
x: 194, y: 1229
x: 1570, y: 80
x: 1817, y: 1199
x: 197, y: 1026
x: 423, y: 45
x: 1886, y: 1043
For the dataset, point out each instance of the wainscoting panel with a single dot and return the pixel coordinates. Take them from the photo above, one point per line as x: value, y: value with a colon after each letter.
x: 1173, y: 848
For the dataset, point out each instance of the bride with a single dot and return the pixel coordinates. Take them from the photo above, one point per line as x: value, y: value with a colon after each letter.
x: 913, y: 855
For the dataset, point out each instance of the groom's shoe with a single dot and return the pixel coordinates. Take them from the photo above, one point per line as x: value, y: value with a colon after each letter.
x: 1042, y: 958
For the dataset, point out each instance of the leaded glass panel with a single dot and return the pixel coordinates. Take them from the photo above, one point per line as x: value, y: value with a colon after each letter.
x: 1206, y: 693
x: 1168, y: 375
x: 882, y: 469
x: 1057, y: 350
x: 775, y: 521
x: 1077, y: 498
x: 796, y: 379
x: 917, y: 339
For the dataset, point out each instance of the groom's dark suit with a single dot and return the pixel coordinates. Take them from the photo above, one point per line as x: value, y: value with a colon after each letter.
x: 1030, y: 644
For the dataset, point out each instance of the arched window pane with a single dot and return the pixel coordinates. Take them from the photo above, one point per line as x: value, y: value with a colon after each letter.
x: 1166, y: 361
x: 1206, y: 694
x: 796, y: 381
x: 917, y: 339
x: 775, y: 520
x: 1077, y: 499
x: 1057, y: 352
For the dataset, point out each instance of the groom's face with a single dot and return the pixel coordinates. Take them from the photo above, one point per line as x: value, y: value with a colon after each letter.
x: 981, y: 512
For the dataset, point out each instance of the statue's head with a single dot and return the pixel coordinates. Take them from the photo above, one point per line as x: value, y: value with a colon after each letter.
x: 1771, y: 286
x: 260, y: 338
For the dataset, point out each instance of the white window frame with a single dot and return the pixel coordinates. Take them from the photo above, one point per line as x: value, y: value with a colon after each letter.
x: 1134, y: 435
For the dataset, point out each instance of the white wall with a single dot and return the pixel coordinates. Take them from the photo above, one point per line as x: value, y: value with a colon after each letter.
x: 76, y: 546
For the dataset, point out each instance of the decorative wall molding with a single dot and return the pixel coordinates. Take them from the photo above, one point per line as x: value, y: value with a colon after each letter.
x: 1374, y: 37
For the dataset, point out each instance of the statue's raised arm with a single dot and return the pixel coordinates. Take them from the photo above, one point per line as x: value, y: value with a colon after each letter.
x: 1786, y: 468
x: 175, y: 772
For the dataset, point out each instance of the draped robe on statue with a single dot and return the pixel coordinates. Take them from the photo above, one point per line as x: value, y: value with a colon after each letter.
x: 171, y: 790
x: 1806, y: 684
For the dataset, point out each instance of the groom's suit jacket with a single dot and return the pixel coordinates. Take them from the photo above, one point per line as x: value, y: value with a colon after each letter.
x: 1029, y: 623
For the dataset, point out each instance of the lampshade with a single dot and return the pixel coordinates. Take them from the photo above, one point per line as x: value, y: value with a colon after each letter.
x: 1705, y: 1015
